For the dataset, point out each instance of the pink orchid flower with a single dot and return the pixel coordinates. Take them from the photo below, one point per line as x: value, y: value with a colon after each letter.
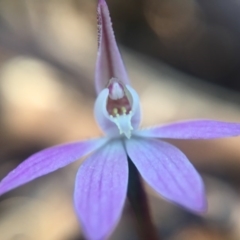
x: 101, y: 181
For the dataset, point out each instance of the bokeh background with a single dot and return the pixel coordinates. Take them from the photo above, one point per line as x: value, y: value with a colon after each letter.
x: 182, y: 57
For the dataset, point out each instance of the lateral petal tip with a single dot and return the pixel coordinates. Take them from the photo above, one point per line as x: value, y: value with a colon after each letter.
x: 204, y: 207
x: 101, y: 2
x: 200, y: 206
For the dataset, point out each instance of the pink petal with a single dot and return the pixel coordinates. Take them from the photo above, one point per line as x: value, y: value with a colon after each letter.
x: 196, y: 129
x: 48, y: 161
x: 100, y: 190
x: 109, y: 62
x: 166, y: 169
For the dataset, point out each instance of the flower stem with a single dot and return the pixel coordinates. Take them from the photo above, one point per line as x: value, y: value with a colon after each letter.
x: 139, y: 203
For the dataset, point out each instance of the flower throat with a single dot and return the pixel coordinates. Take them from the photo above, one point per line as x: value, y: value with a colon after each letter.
x: 119, y: 106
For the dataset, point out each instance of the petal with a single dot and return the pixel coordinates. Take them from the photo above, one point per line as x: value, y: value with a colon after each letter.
x: 107, y: 123
x: 166, y: 169
x: 196, y: 129
x: 109, y: 62
x: 48, y: 161
x: 100, y: 190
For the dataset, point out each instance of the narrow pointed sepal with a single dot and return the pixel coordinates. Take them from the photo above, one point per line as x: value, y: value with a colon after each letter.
x: 195, y: 129
x: 47, y: 161
x: 100, y: 190
x: 167, y: 170
x: 109, y: 61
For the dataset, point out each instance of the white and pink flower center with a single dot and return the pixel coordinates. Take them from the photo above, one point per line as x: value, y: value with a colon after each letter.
x: 119, y: 106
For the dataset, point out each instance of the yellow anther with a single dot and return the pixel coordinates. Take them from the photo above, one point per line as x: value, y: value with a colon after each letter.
x: 124, y: 110
x: 115, y: 111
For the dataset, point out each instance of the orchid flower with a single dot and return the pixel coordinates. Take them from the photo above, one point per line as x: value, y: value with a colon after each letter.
x: 102, y: 179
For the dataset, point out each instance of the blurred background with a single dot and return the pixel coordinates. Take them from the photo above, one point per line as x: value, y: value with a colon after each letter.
x: 182, y: 57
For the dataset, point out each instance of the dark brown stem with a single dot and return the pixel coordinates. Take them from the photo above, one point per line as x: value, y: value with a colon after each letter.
x: 139, y: 203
